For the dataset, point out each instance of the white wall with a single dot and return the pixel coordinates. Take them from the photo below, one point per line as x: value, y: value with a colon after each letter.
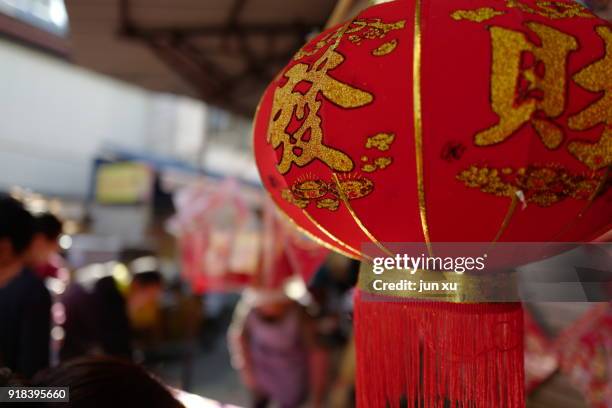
x: 55, y: 116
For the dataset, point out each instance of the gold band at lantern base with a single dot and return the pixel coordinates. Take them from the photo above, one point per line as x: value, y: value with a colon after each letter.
x: 451, y: 286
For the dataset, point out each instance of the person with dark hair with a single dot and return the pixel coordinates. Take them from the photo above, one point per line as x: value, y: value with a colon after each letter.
x: 98, y: 312
x: 106, y: 382
x: 25, y: 303
x: 45, y: 242
x: 142, y: 301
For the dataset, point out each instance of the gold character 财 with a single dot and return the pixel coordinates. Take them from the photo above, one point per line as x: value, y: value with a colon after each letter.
x: 534, y: 95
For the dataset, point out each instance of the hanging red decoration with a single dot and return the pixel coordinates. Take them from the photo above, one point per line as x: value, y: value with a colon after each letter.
x: 457, y: 121
x: 541, y: 359
x: 225, y: 246
x: 585, y: 352
x: 210, y: 222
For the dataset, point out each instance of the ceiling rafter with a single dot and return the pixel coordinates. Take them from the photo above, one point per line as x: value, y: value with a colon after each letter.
x: 177, y: 46
x: 235, y: 11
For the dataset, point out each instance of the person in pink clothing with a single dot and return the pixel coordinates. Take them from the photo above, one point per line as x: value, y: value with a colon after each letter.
x: 273, y: 347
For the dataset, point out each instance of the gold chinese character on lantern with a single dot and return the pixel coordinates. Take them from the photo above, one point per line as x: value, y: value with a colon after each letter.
x: 357, y: 31
x: 552, y: 9
x: 295, y: 124
x: 596, y: 77
x: 528, y: 91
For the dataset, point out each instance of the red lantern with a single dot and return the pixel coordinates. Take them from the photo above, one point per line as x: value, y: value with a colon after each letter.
x: 509, y: 98
x: 462, y: 121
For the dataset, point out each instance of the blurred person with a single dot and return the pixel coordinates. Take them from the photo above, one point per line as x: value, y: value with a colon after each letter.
x: 45, y: 242
x: 342, y: 393
x: 98, y: 312
x: 44, y: 259
x: 273, y: 346
x: 106, y: 382
x: 25, y: 303
x: 331, y: 308
x: 144, y: 293
x: 331, y: 289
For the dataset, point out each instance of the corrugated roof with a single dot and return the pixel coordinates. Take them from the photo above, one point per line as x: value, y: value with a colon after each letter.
x: 222, y: 51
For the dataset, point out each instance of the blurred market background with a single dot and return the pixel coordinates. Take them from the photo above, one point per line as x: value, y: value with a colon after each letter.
x: 130, y: 121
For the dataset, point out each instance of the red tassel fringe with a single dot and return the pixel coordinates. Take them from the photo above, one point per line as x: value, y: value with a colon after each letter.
x: 438, y: 355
